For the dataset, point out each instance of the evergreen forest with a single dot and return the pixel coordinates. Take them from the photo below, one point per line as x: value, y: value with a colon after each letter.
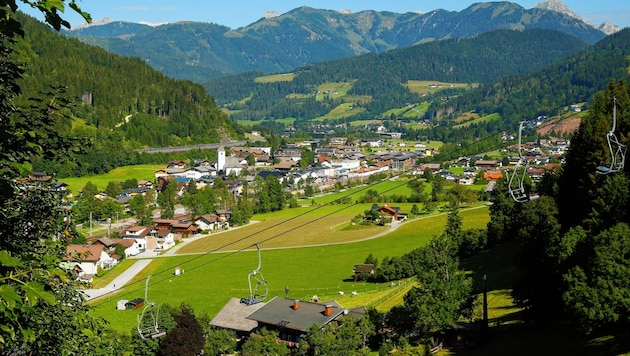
x: 116, y: 104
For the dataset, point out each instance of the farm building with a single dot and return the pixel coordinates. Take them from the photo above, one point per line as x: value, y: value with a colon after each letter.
x: 134, y: 304
x: 362, y: 269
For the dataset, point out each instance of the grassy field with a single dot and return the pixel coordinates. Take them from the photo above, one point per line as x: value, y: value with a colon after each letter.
x: 429, y: 87
x: 282, y: 77
x: 415, y: 111
x: 211, y: 279
x: 341, y: 111
x: 121, y: 174
x: 491, y: 117
x: 286, y: 121
x: 335, y: 90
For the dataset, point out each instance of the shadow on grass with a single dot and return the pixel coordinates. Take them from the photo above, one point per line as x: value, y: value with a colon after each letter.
x: 549, y: 338
x: 508, y: 333
x: 497, y: 264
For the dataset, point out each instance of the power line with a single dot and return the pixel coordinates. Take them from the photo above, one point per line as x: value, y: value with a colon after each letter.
x: 347, y: 206
x: 223, y: 256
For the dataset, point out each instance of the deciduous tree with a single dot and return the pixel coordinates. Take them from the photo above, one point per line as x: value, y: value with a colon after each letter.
x: 186, y: 338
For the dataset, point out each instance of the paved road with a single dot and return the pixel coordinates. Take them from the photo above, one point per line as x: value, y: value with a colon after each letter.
x: 119, y: 282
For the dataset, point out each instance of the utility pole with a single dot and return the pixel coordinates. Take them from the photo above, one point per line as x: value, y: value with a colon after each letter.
x: 90, y: 224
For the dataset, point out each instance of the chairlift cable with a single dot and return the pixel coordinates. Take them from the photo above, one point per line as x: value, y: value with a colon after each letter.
x: 367, y: 187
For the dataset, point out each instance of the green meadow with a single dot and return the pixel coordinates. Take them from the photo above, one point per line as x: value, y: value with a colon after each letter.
x: 120, y: 174
x: 286, y: 121
x: 483, y: 119
x: 430, y: 87
x: 312, y: 253
x: 334, y: 89
x: 340, y: 112
x: 273, y: 78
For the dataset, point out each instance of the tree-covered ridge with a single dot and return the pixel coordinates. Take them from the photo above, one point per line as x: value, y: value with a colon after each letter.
x: 566, y: 82
x: 200, y: 51
x: 573, y: 241
x: 483, y: 59
x: 137, y: 104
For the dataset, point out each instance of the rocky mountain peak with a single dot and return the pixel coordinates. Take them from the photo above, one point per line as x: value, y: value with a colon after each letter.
x: 558, y: 6
x: 609, y: 28
x: 270, y: 14
x: 103, y: 21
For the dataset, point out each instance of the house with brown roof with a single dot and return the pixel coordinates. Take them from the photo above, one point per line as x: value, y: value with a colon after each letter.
x: 224, y: 216
x: 143, y: 183
x: 293, y: 318
x: 141, y: 234
x: 86, y: 260
x: 207, y: 222
x: 362, y: 270
x: 130, y: 245
x: 485, y: 165
x: 39, y: 177
x: 387, y: 211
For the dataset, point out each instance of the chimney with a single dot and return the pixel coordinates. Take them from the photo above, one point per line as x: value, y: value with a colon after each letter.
x: 296, y: 304
x: 328, y: 310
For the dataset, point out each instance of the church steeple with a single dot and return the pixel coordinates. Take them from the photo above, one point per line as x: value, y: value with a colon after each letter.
x: 220, y: 158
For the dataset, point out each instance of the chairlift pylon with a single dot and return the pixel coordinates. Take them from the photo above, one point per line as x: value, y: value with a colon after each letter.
x: 148, y: 327
x: 616, y: 148
x: 257, y: 292
x: 516, y: 181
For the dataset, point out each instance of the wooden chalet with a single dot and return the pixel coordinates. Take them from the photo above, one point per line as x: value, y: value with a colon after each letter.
x: 134, y: 304
x: 387, y: 211
x: 361, y: 269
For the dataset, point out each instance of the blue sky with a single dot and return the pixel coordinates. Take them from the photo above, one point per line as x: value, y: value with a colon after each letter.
x: 239, y: 13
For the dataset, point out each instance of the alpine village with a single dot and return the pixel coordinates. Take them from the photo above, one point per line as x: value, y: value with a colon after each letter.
x: 318, y: 182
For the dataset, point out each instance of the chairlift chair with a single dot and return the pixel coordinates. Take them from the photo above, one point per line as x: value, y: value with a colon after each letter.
x: 258, y: 289
x: 616, y: 148
x: 148, y: 327
x: 516, y: 180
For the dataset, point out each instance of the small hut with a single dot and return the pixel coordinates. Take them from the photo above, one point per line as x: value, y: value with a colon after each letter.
x: 362, y: 269
x: 134, y: 304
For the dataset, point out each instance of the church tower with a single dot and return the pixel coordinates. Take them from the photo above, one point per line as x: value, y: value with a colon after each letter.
x: 220, y: 158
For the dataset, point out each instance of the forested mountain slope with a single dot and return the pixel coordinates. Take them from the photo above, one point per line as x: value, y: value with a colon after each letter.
x: 200, y: 51
x: 126, y: 103
x: 566, y: 82
x: 381, y: 77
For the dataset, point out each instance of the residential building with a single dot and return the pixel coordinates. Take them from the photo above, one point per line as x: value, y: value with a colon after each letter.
x: 292, y: 318
x: 87, y: 260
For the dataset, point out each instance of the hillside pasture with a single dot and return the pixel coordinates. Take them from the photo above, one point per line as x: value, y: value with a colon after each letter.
x: 360, y: 123
x: 250, y: 123
x: 120, y: 174
x: 426, y: 87
x: 274, y: 78
x: 209, y: 280
x: 411, y: 111
x: 479, y: 120
x: 333, y: 90
x: 341, y: 111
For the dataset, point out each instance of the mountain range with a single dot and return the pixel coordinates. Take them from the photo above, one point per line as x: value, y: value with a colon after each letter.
x: 281, y: 42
